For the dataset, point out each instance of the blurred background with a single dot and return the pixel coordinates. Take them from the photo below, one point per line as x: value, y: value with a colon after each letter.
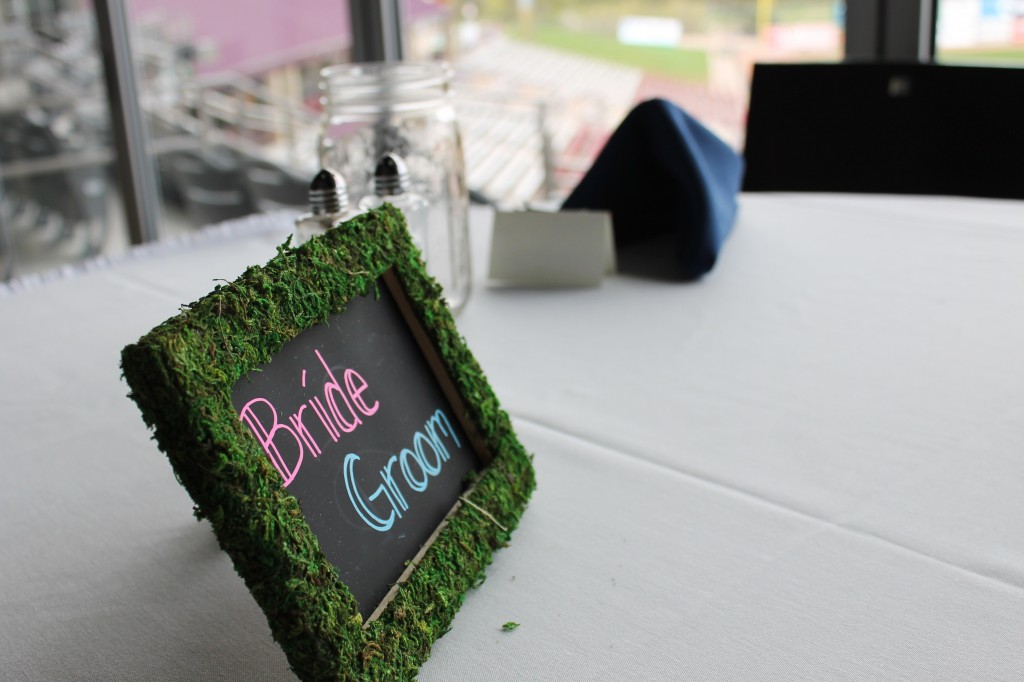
x: 229, y: 106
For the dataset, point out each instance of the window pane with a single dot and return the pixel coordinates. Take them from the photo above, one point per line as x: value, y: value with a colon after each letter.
x: 59, y: 196
x: 983, y: 32
x: 591, y: 62
x: 233, y: 106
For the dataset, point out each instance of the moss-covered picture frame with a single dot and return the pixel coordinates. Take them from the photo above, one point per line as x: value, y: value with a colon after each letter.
x: 312, y: 407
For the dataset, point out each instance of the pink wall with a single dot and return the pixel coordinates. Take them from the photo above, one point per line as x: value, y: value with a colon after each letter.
x: 252, y: 35
x: 256, y: 35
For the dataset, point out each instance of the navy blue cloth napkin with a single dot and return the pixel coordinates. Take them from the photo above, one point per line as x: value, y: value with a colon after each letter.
x: 670, y: 185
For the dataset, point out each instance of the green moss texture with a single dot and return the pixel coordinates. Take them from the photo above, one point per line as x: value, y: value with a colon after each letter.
x: 181, y: 374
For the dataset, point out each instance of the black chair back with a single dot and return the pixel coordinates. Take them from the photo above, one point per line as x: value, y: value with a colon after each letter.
x: 886, y: 128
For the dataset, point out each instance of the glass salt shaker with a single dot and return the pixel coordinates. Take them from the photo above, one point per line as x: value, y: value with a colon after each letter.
x: 328, y: 206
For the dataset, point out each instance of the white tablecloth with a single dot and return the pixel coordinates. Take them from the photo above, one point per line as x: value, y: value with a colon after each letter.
x: 809, y: 465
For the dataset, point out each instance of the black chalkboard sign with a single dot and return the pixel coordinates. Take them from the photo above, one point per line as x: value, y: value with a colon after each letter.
x: 355, y: 421
x: 331, y: 424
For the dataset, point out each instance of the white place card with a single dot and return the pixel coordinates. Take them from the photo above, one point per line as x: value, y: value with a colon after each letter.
x: 551, y: 249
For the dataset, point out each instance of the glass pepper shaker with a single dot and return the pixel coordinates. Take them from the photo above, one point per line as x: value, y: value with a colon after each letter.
x: 391, y: 184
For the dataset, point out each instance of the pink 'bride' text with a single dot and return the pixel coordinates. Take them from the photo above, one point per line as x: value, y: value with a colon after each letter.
x: 341, y: 410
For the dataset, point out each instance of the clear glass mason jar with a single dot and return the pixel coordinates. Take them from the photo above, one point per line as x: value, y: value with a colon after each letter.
x: 406, y: 109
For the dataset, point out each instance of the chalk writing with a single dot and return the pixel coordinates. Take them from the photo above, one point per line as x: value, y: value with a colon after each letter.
x: 262, y: 418
x: 341, y: 411
x: 417, y: 467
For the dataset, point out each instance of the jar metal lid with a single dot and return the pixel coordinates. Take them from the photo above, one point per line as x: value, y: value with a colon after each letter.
x: 385, y: 85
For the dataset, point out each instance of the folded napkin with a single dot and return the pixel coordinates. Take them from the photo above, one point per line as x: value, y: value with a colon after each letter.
x: 670, y: 185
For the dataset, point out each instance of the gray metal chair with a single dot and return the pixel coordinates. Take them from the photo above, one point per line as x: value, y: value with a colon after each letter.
x: 6, y: 246
x: 212, y: 185
x: 273, y: 187
x: 70, y: 191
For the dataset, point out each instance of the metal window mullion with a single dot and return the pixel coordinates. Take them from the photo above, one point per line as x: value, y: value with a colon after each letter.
x: 376, y: 27
x: 890, y: 30
x: 135, y: 171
